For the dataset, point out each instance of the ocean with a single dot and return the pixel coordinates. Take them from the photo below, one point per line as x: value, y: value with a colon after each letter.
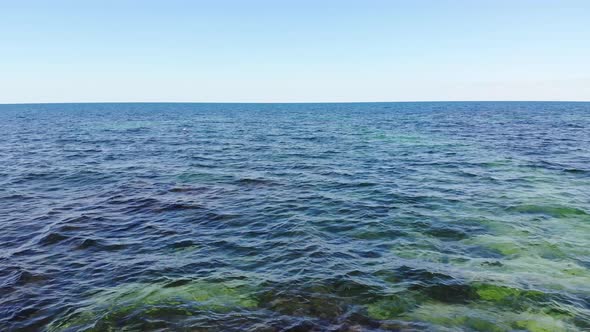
x: 459, y: 216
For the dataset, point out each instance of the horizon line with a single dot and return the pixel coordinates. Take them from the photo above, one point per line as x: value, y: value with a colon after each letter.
x: 296, y: 102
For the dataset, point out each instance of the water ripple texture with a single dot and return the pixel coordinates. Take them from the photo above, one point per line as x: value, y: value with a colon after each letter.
x: 295, y: 217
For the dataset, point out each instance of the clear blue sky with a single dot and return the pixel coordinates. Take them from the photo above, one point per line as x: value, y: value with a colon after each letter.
x: 293, y: 50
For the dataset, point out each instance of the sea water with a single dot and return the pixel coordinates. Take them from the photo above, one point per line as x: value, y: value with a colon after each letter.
x: 295, y: 217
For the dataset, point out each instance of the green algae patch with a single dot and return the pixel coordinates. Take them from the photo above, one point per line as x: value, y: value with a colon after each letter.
x: 482, y: 317
x: 109, y: 307
x: 505, y: 245
x: 201, y: 295
x: 541, y: 323
x: 506, y: 248
x: 206, y: 295
x: 315, y: 305
x: 555, y: 211
x: 427, y: 249
x: 521, y: 246
x: 391, y: 307
x: 494, y: 293
x: 558, y: 276
x: 454, y: 316
x: 576, y: 271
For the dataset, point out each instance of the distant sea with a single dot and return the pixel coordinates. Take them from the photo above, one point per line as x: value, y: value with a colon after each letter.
x: 470, y: 216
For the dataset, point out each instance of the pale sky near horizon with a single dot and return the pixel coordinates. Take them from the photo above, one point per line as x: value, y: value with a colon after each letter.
x: 293, y: 50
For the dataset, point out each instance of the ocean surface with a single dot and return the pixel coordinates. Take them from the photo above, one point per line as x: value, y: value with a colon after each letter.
x: 295, y: 217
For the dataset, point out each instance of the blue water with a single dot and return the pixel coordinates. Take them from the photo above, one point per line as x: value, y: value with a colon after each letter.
x: 295, y: 217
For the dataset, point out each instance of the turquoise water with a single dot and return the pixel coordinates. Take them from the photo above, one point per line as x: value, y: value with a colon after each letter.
x: 295, y: 217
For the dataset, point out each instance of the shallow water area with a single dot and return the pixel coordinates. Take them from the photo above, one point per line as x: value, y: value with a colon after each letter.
x: 295, y: 217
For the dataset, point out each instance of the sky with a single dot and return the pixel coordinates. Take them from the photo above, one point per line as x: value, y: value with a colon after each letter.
x: 293, y: 50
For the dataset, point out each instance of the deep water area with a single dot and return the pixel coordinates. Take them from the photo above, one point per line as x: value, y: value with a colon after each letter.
x: 462, y: 216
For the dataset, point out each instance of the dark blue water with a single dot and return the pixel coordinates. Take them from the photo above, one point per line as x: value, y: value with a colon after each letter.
x: 295, y: 217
